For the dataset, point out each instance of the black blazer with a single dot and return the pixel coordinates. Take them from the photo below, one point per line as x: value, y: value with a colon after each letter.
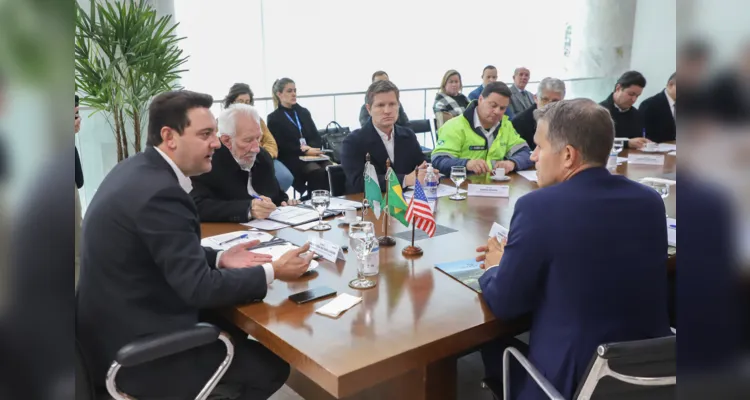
x: 525, y: 125
x: 79, y: 170
x: 628, y: 124
x: 355, y: 147
x: 287, y: 135
x: 221, y: 195
x: 657, y: 118
x: 143, y: 270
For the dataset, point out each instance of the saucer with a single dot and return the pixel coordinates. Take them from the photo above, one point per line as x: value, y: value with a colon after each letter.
x: 343, y: 221
x: 500, y: 179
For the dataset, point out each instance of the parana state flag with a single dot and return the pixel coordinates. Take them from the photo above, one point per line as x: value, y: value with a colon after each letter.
x: 372, y: 189
x: 396, y: 203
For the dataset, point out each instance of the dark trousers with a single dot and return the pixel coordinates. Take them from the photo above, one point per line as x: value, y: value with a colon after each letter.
x: 492, y: 357
x: 255, y: 372
x: 311, y: 176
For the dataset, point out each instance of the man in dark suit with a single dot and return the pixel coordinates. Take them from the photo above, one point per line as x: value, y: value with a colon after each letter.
x: 144, y: 272
x: 628, y: 119
x: 549, y: 90
x: 659, y: 113
x: 383, y: 140
x: 241, y: 185
x: 588, y: 273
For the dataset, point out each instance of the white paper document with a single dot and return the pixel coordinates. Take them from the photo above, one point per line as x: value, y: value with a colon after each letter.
x: 277, y: 251
x: 265, y: 224
x: 305, y: 227
x: 621, y: 160
x: 227, y: 240
x: 314, y: 158
x: 645, y: 159
x: 667, y: 147
x: 498, y: 231
x: 672, y: 232
x: 672, y: 153
x: 340, y: 204
x: 327, y: 250
x: 443, y: 191
x: 292, y: 215
x: 341, y: 303
x: 489, y: 190
x: 530, y: 175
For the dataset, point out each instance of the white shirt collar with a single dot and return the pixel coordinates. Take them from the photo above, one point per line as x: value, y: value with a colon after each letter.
x: 185, y: 183
x: 383, y: 135
x: 389, y: 143
x: 478, y: 123
x: 669, y: 99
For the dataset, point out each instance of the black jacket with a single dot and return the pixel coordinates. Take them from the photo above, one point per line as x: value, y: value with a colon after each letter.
x: 657, y: 118
x: 406, y: 150
x: 525, y: 125
x: 287, y: 135
x: 221, y: 195
x: 143, y: 270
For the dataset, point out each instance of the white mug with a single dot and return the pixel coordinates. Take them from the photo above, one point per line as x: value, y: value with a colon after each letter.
x: 350, y: 214
x: 498, y: 172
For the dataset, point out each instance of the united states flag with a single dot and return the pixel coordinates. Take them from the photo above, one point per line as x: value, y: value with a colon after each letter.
x: 419, y: 211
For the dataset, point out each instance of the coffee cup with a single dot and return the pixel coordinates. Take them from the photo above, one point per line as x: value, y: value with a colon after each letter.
x: 350, y: 214
x: 498, y: 172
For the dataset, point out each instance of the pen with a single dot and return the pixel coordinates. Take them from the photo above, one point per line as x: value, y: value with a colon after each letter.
x: 243, y: 236
x: 673, y: 226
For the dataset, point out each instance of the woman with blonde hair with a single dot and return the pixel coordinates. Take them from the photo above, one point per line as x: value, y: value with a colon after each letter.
x: 241, y: 93
x: 296, y: 135
x: 449, y: 101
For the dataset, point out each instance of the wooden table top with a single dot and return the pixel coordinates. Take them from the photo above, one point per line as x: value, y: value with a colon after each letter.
x: 415, y: 315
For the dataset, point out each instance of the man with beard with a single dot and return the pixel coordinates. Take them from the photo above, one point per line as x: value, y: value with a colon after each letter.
x: 241, y: 185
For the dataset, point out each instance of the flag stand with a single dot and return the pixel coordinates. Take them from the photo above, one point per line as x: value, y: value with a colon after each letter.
x: 385, y: 240
x: 412, y: 250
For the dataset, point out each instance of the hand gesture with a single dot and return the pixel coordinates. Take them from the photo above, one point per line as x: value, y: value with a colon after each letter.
x: 478, y: 166
x: 292, y: 265
x: 238, y: 256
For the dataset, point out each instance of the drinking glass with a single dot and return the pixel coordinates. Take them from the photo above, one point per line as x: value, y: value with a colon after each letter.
x: 320, y: 200
x: 458, y: 176
x: 618, y: 145
x: 362, y: 239
x: 660, y: 187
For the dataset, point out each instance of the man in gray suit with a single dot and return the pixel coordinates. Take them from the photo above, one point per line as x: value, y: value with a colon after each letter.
x: 144, y: 272
x: 520, y: 98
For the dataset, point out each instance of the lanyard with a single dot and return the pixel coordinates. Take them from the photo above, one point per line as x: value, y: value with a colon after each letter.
x: 298, y: 124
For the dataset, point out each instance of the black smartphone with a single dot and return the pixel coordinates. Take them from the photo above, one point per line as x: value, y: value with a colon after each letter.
x: 312, y: 294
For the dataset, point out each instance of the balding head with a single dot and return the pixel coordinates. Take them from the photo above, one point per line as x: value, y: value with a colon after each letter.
x: 571, y: 135
x: 521, y: 77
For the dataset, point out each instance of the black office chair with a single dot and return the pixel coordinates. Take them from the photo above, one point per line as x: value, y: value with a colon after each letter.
x: 422, y: 126
x: 149, y: 349
x: 642, y: 369
x: 336, y: 179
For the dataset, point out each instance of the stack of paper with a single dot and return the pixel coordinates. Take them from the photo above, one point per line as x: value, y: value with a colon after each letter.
x: 443, y: 190
x: 530, y: 175
x: 227, y: 240
x: 265, y: 224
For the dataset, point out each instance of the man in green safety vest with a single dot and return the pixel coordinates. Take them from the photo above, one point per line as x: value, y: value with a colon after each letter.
x: 483, y: 138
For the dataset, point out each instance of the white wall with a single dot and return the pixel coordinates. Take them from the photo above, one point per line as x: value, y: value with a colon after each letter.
x: 654, y: 43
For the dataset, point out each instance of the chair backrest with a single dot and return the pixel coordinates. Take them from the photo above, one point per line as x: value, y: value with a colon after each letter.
x: 336, y: 179
x: 642, y: 369
x: 420, y: 126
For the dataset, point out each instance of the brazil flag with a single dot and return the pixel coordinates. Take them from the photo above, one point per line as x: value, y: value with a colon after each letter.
x: 396, y: 204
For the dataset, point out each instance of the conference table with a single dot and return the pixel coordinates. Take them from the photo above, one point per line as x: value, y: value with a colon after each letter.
x: 404, y: 338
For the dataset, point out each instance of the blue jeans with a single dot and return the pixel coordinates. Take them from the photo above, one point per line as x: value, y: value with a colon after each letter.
x: 283, y: 175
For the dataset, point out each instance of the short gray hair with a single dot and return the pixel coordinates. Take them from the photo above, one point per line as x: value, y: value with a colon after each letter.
x: 582, y: 124
x: 228, y: 117
x: 552, y: 85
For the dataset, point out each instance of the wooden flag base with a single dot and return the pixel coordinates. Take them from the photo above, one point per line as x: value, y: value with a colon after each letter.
x: 412, y: 251
x: 386, y: 241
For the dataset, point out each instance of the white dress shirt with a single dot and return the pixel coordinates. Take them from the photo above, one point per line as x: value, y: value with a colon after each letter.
x: 671, y: 104
x: 487, y: 133
x: 187, y: 185
x: 388, y: 142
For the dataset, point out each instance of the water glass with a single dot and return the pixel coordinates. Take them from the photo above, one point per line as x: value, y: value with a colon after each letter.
x: 362, y: 240
x: 320, y: 200
x: 458, y: 176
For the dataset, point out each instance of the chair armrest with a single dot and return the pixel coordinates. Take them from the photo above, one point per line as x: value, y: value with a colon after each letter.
x: 540, y: 380
x: 159, y: 346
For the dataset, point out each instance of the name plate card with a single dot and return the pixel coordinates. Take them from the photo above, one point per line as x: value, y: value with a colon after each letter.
x: 646, y: 159
x: 498, y: 231
x: 489, y: 190
x: 327, y: 250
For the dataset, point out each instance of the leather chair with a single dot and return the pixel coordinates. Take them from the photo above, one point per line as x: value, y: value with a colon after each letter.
x: 336, y: 180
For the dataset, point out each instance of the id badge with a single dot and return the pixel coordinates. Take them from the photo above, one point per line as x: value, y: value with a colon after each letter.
x: 302, y: 142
